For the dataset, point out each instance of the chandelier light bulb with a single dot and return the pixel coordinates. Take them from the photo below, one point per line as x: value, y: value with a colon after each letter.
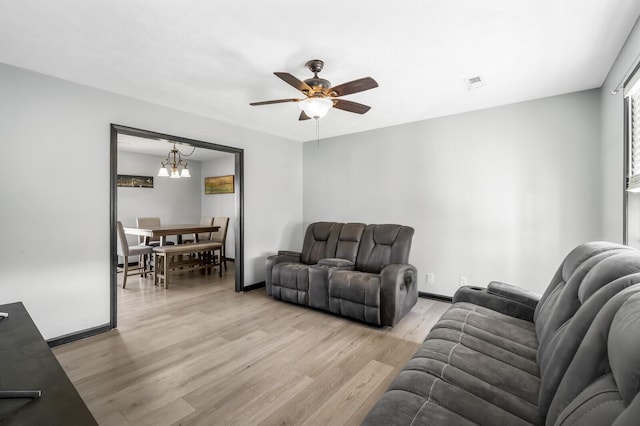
x: 163, y: 171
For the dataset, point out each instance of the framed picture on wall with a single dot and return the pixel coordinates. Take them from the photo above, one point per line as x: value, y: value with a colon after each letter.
x: 132, y: 181
x: 219, y: 185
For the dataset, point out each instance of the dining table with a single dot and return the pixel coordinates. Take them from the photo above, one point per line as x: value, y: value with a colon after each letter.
x: 164, y: 231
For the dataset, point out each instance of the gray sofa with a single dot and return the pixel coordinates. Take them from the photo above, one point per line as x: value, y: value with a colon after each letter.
x: 502, y: 356
x: 350, y: 269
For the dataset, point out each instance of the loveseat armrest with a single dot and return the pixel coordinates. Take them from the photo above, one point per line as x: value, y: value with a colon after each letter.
x: 289, y: 253
x: 319, y: 276
x: 398, y: 292
x: 501, y: 297
x: 282, y: 256
x: 342, y: 264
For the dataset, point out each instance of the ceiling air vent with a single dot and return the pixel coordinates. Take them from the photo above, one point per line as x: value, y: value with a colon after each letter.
x: 474, y: 82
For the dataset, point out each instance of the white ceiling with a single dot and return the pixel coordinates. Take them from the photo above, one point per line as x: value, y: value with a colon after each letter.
x: 161, y: 148
x: 213, y: 58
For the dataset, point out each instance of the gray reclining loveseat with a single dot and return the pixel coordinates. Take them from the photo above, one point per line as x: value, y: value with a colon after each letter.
x: 570, y: 358
x: 351, y: 269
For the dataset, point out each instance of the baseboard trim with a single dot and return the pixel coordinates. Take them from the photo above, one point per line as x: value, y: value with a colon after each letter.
x: 255, y: 286
x: 435, y: 296
x: 72, y: 337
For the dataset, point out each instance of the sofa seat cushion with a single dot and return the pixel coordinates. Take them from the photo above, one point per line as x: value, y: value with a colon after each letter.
x: 472, y: 368
x: 448, y: 383
x: 290, y: 282
x: 355, y: 295
x: 509, y: 334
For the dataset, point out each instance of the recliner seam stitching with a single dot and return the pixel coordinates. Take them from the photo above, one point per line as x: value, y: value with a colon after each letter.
x: 477, y: 328
x: 479, y: 379
x: 580, y: 416
x: 426, y: 402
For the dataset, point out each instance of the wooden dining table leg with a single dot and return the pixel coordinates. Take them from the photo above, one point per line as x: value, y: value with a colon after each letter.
x: 165, y: 270
x: 158, y: 264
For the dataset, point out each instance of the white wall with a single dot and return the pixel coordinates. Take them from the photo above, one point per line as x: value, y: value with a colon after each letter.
x: 172, y: 200
x: 220, y: 204
x: 55, y: 216
x: 498, y: 194
x: 612, y: 140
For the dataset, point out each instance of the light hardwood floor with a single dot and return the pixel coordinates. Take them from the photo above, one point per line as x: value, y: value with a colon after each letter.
x: 201, y: 354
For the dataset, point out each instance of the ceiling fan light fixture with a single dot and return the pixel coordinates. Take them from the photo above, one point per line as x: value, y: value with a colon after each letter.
x: 316, y: 107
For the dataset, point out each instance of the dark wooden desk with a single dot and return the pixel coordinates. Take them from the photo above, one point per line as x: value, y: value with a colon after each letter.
x: 27, y: 363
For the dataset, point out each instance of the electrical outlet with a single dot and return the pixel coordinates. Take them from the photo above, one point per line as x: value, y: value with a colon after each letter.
x: 431, y: 278
x: 463, y: 281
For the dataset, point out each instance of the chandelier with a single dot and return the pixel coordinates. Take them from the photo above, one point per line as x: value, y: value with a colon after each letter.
x: 171, y: 165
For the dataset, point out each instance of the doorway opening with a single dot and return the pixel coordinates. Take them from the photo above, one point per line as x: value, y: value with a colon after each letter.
x: 119, y: 131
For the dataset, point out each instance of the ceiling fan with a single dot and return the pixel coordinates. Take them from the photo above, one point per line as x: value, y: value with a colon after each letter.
x: 320, y: 97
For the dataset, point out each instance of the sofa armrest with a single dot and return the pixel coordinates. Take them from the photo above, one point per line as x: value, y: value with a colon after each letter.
x: 282, y: 256
x: 398, y: 292
x: 504, y: 298
x: 512, y: 292
x: 342, y: 264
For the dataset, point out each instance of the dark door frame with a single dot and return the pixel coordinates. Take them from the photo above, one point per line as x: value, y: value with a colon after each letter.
x: 238, y: 153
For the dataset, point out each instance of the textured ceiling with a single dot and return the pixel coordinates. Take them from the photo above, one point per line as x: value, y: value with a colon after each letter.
x: 213, y: 58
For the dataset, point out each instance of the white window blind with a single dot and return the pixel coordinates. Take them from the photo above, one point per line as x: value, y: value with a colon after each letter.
x: 632, y: 97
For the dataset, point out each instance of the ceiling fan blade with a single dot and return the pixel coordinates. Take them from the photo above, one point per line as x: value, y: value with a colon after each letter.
x: 293, y: 81
x: 304, y: 116
x: 276, y: 101
x: 350, y: 106
x: 354, y: 86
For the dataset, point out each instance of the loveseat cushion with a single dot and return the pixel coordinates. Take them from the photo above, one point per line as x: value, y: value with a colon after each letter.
x: 290, y: 282
x: 382, y: 245
x: 320, y: 241
x: 349, y: 241
x: 355, y: 295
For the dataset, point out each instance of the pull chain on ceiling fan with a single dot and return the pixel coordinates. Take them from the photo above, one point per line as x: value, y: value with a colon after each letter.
x: 320, y: 97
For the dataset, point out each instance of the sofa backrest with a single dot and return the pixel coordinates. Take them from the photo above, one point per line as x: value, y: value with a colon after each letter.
x: 560, y: 300
x: 320, y: 241
x: 608, y: 275
x: 349, y: 241
x: 602, y: 383
x: 382, y: 245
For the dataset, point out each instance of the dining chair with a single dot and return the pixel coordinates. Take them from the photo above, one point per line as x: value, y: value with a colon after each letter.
x: 220, y: 237
x: 202, y: 236
x: 125, y: 251
x: 150, y: 222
